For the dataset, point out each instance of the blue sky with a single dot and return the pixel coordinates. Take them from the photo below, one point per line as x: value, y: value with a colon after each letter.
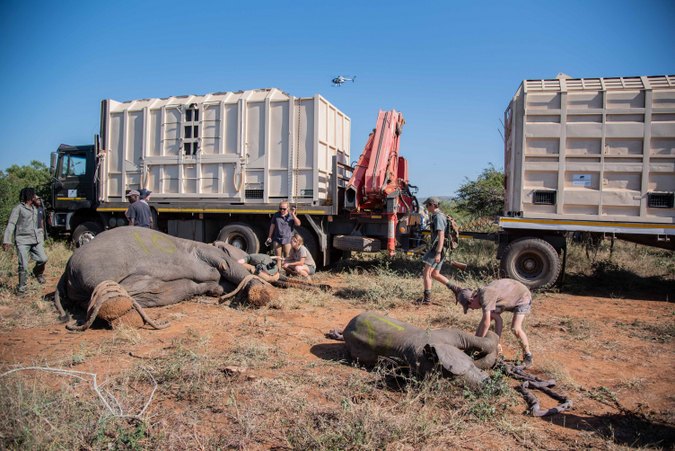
x: 450, y: 67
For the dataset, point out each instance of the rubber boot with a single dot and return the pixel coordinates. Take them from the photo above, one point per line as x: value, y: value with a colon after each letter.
x: 23, y: 278
x: 426, y: 299
x: 38, y: 272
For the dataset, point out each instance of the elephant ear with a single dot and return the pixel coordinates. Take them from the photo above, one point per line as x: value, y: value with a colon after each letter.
x: 450, y: 358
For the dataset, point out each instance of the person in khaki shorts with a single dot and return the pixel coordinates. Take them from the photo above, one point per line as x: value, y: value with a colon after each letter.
x: 502, y: 295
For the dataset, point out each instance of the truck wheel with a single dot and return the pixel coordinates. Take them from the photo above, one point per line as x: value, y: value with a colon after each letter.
x: 240, y: 236
x: 85, y: 232
x: 531, y: 261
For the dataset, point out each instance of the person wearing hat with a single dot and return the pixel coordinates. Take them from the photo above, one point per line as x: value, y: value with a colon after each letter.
x: 138, y: 213
x: 433, y: 259
x: 501, y: 295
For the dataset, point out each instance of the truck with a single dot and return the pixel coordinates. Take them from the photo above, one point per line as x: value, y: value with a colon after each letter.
x: 219, y: 164
x: 592, y: 156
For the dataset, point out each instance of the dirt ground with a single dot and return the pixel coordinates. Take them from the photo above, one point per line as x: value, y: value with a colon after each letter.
x: 614, y: 357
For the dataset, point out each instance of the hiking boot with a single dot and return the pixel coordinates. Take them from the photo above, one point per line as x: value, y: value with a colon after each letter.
x: 41, y: 279
x: 23, y: 278
x: 527, y: 360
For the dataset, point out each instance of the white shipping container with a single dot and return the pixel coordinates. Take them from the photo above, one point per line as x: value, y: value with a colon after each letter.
x: 257, y: 146
x: 600, y: 149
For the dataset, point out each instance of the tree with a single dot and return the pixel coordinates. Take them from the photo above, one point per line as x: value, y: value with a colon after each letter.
x: 14, y: 178
x: 483, y: 196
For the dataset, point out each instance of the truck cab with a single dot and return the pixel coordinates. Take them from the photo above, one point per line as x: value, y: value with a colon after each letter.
x: 73, y: 190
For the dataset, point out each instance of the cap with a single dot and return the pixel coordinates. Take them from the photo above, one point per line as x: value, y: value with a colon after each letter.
x: 144, y: 193
x: 133, y: 192
x: 464, y: 298
x: 432, y: 200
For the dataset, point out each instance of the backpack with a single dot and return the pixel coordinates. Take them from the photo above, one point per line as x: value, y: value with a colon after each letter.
x: 451, y: 234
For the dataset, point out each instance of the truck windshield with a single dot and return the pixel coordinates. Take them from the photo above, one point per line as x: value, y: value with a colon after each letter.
x: 73, y: 166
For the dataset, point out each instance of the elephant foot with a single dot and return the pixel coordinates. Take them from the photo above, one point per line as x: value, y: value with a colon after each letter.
x: 259, y: 295
x: 130, y: 319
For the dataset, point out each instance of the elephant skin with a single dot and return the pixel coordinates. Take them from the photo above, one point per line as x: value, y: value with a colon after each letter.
x: 153, y: 268
x: 370, y: 337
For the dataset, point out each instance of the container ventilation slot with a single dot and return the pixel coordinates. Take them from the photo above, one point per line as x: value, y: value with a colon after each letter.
x: 253, y: 193
x: 544, y: 198
x: 660, y: 200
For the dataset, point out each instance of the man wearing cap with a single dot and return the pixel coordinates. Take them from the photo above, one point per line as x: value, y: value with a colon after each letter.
x: 433, y: 259
x: 138, y: 213
x: 502, y: 295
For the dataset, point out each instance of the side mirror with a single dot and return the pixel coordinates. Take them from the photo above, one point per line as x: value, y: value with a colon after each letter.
x: 52, y: 163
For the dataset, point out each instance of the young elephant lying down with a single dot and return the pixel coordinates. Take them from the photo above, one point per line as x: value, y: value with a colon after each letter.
x: 370, y: 337
x: 127, y: 268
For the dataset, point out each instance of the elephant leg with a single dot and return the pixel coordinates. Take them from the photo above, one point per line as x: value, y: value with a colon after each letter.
x: 485, y: 347
x: 455, y: 362
x: 150, y: 292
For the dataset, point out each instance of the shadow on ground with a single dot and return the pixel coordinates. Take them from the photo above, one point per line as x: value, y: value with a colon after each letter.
x: 627, y: 429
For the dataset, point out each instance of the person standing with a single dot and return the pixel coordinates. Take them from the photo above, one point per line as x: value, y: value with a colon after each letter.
x: 502, y: 295
x: 22, y: 231
x: 433, y: 259
x: 40, y: 219
x: 138, y: 213
x: 281, y: 229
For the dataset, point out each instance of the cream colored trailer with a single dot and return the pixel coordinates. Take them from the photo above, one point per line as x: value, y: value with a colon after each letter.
x: 253, y: 147
x: 592, y: 155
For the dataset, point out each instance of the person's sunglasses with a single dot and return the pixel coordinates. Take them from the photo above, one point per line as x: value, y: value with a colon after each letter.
x: 282, y: 209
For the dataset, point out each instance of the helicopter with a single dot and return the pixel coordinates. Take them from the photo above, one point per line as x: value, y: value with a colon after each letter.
x: 339, y: 80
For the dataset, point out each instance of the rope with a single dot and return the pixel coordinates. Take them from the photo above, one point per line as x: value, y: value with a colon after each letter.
x: 103, y: 292
x: 530, y: 381
x: 241, y: 285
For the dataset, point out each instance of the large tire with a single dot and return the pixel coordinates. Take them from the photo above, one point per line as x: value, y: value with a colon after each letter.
x: 241, y: 236
x: 356, y: 243
x: 532, y: 261
x: 86, y: 232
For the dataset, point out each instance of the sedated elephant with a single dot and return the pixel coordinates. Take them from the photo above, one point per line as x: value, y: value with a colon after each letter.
x: 128, y: 268
x: 370, y: 337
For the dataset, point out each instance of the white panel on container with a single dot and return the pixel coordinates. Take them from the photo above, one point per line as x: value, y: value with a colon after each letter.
x: 134, y: 181
x: 622, y: 181
x: 155, y: 134
x: 277, y: 184
x: 584, y: 118
x: 134, y: 137
x: 543, y: 146
x: 278, y: 148
x: 543, y: 118
x: 584, y: 100
x: 210, y: 142
x: 231, y: 129
x: 154, y: 176
x: 230, y: 183
x: 323, y: 132
x: 116, y: 140
x: 255, y: 133
x: 547, y: 101
x: 170, y: 180
x: 663, y: 146
x: 663, y: 98
x: 330, y: 138
x: 115, y: 185
x: 625, y: 99
x: 661, y: 182
x: 305, y: 184
x: 581, y: 146
x: 582, y: 180
x: 541, y: 179
x: 663, y: 130
x: 623, y: 147
x: 305, y: 151
x: 339, y: 132
x: 172, y: 118
x: 190, y: 179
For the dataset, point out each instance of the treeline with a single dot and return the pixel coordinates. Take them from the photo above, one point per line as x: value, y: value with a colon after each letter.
x: 14, y: 178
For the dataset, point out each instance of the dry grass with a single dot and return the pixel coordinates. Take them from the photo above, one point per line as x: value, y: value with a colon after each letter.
x: 251, y: 394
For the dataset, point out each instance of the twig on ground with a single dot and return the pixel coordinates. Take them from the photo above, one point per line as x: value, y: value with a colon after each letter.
x: 95, y: 385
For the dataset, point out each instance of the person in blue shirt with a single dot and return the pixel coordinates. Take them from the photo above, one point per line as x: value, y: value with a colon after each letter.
x: 282, y: 225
